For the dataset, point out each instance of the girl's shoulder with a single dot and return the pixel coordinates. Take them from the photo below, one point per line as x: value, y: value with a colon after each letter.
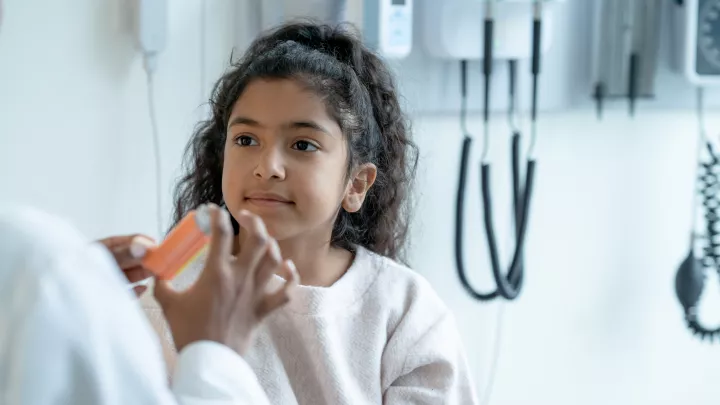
x: 418, y: 326
x: 402, y: 291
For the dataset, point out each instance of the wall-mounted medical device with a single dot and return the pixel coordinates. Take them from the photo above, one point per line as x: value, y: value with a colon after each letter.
x: 149, y: 21
x: 704, y: 248
x: 490, y: 31
x: 696, y: 54
x: 697, y: 36
x: 453, y: 29
x: 625, y: 50
x: 386, y: 25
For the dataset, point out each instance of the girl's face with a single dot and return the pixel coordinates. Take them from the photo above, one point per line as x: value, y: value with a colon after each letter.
x: 286, y: 161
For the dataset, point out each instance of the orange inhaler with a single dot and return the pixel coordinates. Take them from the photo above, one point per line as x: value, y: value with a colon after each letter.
x: 182, y: 246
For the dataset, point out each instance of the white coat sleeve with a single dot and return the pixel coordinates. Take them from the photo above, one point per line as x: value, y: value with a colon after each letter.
x: 76, y: 340
x: 61, y: 352
x: 434, y: 370
x: 208, y: 372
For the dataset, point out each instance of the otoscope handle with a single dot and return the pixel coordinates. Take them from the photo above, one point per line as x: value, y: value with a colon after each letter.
x: 536, y: 48
x: 537, y: 32
x: 487, y: 65
x: 488, y: 46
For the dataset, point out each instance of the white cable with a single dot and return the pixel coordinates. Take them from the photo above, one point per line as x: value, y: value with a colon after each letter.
x: 338, y: 11
x: 700, y: 96
x: 150, y: 64
x: 702, y: 141
x: 487, y: 392
x: 533, y: 140
x: 485, y: 143
x: 203, y: 49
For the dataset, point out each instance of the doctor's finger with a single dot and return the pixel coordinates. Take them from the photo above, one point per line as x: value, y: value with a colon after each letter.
x: 129, y: 253
x: 269, y: 265
x: 254, y: 246
x: 139, y: 290
x: 274, y: 301
x: 220, y: 249
x: 137, y: 273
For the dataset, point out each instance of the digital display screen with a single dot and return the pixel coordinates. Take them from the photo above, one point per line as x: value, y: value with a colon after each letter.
x: 398, y: 2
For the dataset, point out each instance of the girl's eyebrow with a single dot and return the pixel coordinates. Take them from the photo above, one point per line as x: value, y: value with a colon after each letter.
x: 240, y: 120
x: 309, y: 124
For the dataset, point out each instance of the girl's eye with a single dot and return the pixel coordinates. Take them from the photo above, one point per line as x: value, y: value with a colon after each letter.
x: 244, y: 140
x: 305, y: 146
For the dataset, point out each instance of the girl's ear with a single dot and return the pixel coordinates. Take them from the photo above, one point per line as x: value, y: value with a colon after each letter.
x: 360, y: 182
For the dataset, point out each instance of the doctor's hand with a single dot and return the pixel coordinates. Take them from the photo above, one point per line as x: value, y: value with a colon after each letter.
x: 128, y: 251
x: 230, y: 298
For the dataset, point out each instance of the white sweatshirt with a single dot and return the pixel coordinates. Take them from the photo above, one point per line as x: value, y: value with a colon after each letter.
x: 379, y: 335
x: 71, y: 333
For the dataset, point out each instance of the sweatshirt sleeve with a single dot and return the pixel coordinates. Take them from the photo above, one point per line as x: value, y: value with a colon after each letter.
x: 435, y: 370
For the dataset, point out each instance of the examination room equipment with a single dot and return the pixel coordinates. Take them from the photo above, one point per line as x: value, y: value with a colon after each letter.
x: 386, y: 25
x: 697, y: 57
x: 149, y: 24
x: 625, y: 52
x: 696, y: 50
x: 509, y: 284
x: 704, y: 250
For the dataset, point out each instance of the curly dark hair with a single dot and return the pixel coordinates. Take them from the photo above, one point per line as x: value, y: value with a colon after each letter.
x: 360, y: 94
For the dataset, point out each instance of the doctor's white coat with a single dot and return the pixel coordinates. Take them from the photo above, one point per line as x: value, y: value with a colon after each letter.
x: 72, y: 333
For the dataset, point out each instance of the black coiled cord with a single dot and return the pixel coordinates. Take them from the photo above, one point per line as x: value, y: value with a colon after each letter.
x: 690, y: 278
x: 710, y: 192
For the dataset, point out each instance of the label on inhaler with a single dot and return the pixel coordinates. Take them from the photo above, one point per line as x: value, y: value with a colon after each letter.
x: 182, y: 246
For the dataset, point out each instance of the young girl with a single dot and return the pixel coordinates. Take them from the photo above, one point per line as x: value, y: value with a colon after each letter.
x: 307, y: 132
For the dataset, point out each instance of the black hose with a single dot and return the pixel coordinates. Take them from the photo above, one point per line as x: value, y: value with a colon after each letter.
x: 510, y: 287
x: 518, y: 192
x: 459, y: 221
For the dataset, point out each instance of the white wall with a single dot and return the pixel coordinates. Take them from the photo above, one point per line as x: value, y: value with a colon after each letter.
x: 597, y: 322
x: 74, y: 120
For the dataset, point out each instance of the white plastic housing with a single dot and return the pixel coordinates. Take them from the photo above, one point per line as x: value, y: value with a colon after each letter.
x: 453, y: 29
